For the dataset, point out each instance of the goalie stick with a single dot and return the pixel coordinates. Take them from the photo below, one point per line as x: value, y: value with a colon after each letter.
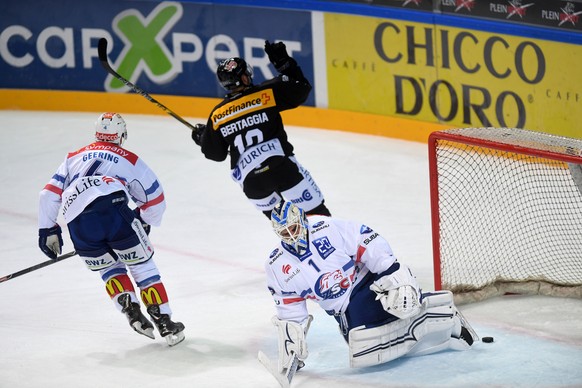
x: 284, y: 378
x: 38, y: 266
x: 102, y: 51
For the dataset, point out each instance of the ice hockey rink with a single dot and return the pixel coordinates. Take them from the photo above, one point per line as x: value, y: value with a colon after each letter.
x: 58, y: 327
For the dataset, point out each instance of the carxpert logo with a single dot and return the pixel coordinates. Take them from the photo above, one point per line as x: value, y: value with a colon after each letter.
x: 144, y: 50
x: 169, y: 47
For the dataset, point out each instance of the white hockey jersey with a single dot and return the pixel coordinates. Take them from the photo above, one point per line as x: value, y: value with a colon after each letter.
x: 96, y: 170
x: 340, y: 254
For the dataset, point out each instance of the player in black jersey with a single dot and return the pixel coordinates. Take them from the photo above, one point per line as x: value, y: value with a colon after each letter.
x: 247, y: 125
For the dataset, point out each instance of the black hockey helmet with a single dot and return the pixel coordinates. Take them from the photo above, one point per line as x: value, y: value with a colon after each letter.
x: 230, y: 72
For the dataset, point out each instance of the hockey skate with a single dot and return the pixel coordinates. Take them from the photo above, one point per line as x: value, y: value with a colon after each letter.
x: 172, y: 331
x: 136, y: 319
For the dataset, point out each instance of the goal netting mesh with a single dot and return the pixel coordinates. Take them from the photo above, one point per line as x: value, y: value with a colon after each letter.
x: 507, y: 212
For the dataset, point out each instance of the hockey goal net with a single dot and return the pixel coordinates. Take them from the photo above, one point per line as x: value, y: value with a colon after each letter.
x: 506, y: 212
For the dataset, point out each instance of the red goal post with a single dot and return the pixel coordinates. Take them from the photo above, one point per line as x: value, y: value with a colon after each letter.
x: 506, y: 209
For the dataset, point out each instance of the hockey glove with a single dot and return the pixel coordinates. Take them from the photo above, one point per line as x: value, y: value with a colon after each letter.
x: 50, y: 241
x: 197, y: 133
x: 278, y: 56
x: 146, y: 227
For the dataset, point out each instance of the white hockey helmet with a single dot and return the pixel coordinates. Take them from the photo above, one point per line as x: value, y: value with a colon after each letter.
x: 290, y: 224
x: 110, y: 127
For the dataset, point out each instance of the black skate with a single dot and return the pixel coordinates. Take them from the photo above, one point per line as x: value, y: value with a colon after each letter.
x: 466, y: 336
x: 467, y: 333
x: 172, y: 331
x: 136, y: 319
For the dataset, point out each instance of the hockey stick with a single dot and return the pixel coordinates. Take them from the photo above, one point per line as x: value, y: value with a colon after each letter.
x: 284, y: 378
x: 38, y: 266
x: 102, y: 51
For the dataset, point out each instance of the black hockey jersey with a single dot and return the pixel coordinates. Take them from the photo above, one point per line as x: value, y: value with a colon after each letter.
x: 249, y: 118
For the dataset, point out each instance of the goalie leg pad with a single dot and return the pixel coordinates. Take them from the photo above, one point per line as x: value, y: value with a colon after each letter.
x: 463, y: 335
x: 444, y: 329
x: 436, y: 328
x: 379, y: 345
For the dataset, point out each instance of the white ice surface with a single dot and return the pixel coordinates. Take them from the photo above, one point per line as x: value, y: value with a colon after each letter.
x: 58, y: 327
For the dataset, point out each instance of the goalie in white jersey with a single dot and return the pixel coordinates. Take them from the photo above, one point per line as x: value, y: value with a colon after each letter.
x: 351, y: 272
x: 92, y: 188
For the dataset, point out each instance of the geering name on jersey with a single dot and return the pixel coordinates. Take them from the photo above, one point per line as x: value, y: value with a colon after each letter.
x: 101, y: 155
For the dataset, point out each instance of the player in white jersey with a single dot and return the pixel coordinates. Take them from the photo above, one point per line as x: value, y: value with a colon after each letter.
x: 92, y: 188
x: 350, y: 271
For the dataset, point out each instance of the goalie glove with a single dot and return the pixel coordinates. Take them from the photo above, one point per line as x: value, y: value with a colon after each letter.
x: 291, y: 342
x: 50, y: 241
x: 398, y: 292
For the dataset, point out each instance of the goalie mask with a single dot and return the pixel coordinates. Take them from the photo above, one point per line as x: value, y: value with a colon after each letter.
x: 230, y: 72
x: 110, y: 127
x: 290, y: 224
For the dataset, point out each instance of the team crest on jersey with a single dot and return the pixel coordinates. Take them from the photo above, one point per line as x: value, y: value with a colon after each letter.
x: 332, y: 285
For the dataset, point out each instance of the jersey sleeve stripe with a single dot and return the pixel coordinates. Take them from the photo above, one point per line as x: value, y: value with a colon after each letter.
x: 153, y: 202
x: 153, y: 188
x: 59, y: 178
x: 349, y: 265
x: 361, y: 251
x: 292, y: 300
x: 54, y: 189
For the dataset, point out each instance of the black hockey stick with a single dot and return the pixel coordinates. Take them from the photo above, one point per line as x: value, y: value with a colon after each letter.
x: 102, y: 51
x: 38, y: 266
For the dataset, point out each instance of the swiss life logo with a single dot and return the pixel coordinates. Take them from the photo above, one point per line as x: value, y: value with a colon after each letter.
x: 144, y: 50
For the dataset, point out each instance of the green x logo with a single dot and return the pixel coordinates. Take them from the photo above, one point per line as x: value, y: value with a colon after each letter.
x: 144, y: 49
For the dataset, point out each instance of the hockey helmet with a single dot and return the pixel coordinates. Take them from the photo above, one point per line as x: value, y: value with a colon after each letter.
x: 290, y: 224
x: 230, y: 72
x: 110, y: 127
